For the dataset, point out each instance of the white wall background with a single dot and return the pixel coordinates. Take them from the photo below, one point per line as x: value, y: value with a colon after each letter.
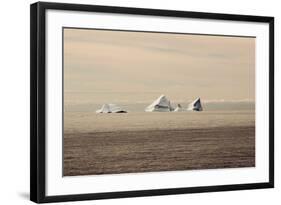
x: 14, y: 104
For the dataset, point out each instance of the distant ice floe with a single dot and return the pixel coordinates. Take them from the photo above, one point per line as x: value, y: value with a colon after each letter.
x: 111, y: 108
x: 195, y: 105
x: 161, y: 104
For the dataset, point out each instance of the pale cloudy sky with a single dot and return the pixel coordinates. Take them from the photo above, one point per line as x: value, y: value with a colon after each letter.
x: 139, y: 66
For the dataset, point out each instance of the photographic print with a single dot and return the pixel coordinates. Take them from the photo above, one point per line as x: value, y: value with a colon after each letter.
x: 133, y: 102
x: 150, y: 102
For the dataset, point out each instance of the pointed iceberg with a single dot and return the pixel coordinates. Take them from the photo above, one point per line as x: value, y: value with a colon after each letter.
x: 161, y: 104
x: 179, y: 108
x: 195, y: 105
x: 110, y: 108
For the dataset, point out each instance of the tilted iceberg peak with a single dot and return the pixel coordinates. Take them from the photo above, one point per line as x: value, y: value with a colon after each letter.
x: 161, y: 104
x: 195, y: 105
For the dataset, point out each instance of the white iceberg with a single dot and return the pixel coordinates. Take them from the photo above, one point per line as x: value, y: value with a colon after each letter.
x: 179, y: 108
x: 161, y: 104
x: 195, y: 105
x: 110, y: 108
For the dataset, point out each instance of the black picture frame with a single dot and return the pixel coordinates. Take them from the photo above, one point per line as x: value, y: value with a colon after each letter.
x: 38, y: 103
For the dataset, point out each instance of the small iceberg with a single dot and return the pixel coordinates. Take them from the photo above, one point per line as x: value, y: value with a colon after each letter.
x: 179, y: 108
x: 161, y: 104
x: 195, y: 105
x: 110, y: 108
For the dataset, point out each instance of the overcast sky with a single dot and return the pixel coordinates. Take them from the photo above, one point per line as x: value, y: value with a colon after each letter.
x: 139, y: 66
